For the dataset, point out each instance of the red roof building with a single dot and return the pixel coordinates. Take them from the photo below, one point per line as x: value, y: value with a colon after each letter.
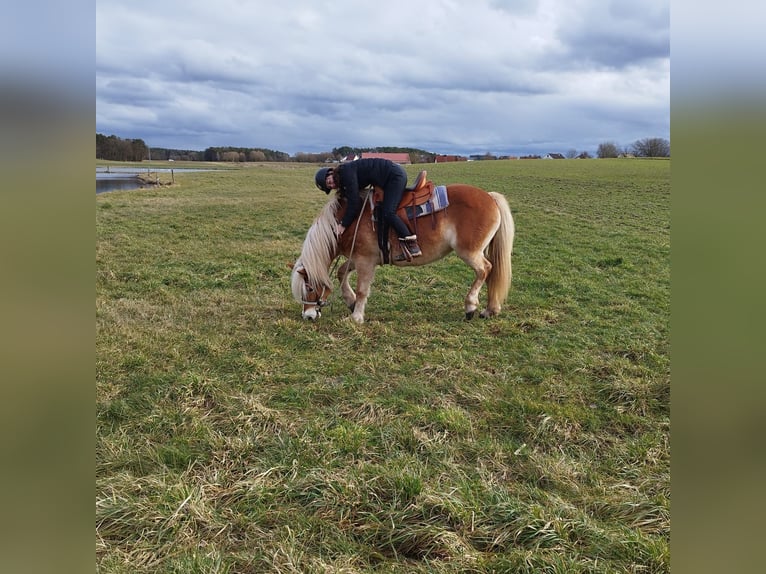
x: 403, y: 158
x: 448, y: 158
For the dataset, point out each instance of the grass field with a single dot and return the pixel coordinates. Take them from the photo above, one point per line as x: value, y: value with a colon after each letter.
x: 234, y: 437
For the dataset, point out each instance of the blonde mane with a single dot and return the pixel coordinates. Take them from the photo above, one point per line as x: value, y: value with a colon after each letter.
x: 319, y: 249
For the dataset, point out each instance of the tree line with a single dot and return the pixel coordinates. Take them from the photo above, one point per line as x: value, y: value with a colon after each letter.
x: 647, y: 147
x: 118, y: 149
x: 338, y: 153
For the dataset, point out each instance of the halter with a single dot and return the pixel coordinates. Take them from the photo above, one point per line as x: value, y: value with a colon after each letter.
x: 320, y: 302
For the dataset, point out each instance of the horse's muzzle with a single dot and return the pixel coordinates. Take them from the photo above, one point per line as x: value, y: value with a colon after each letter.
x: 311, y: 314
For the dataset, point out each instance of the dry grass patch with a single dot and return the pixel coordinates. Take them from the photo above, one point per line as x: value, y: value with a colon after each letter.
x: 234, y: 437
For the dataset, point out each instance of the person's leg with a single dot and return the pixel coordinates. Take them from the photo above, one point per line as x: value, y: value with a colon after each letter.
x: 392, y: 195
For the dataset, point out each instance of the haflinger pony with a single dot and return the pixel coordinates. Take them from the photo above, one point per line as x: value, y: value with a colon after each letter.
x: 477, y: 225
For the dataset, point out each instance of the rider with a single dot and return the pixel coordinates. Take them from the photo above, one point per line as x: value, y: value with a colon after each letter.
x: 352, y: 176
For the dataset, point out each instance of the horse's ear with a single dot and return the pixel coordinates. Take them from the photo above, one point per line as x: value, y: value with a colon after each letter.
x: 290, y: 264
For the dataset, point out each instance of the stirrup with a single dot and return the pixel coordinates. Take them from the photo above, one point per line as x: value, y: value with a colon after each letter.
x: 410, y: 248
x: 412, y: 245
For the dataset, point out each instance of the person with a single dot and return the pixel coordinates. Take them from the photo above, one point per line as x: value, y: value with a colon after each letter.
x: 352, y: 176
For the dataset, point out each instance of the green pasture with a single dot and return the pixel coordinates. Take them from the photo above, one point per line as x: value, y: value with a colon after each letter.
x: 232, y: 436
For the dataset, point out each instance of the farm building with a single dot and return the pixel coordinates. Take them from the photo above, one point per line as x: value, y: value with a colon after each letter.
x: 395, y: 157
x: 447, y: 158
x: 554, y: 156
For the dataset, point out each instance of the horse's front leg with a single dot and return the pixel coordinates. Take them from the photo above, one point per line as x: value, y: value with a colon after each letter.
x: 349, y: 297
x: 364, y: 277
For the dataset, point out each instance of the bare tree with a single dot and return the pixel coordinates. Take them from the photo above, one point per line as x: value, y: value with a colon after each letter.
x: 608, y: 149
x: 651, y: 147
x: 571, y: 154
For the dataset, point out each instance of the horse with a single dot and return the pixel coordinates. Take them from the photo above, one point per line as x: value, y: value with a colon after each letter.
x: 477, y: 225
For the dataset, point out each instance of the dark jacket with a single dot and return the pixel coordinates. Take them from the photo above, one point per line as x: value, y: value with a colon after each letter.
x: 356, y: 175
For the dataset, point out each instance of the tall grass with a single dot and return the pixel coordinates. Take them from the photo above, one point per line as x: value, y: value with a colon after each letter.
x: 234, y: 437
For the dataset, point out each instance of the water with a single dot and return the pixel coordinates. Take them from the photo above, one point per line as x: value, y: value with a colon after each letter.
x: 104, y: 184
x: 126, y: 178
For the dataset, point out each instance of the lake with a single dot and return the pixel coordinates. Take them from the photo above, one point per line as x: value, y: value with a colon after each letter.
x: 104, y: 184
x: 113, y: 178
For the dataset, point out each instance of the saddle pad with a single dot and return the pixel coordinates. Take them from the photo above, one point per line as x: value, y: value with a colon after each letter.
x: 438, y: 201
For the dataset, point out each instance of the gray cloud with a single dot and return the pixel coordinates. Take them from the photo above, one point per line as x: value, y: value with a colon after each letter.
x: 450, y: 77
x: 618, y: 34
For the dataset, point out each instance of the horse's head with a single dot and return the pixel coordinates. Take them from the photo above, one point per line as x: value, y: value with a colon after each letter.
x: 312, y: 294
x: 311, y: 283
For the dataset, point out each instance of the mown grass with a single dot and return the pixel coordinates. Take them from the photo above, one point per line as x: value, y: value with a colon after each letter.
x: 234, y: 437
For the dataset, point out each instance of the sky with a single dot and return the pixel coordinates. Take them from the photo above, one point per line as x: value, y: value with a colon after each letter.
x: 506, y: 77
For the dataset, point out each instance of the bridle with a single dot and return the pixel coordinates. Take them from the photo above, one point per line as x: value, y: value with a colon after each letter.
x: 309, y: 288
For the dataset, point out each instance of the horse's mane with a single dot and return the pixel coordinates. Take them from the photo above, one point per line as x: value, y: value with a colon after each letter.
x: 319, y: 249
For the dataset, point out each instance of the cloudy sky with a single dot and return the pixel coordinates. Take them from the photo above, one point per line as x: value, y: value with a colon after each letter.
x: 447, y: 76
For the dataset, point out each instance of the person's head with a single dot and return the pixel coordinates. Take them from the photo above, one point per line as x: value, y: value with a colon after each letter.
x: 325, y: 179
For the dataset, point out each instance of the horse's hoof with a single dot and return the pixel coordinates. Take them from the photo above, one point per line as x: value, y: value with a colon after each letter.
x: 469, y: 315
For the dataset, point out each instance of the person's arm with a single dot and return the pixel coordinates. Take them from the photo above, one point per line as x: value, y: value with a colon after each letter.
x: 350, y: 185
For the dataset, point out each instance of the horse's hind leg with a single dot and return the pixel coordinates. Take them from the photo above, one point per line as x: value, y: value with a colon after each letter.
x: 481, y: 267
x: 349, y: 297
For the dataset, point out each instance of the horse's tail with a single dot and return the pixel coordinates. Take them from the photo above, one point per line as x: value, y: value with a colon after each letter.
x: 499, y: 254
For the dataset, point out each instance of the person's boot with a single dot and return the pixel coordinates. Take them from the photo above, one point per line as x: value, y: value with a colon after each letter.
x: 411, y: 244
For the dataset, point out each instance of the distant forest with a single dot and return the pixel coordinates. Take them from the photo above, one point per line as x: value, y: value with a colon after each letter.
x: 118, y: 149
